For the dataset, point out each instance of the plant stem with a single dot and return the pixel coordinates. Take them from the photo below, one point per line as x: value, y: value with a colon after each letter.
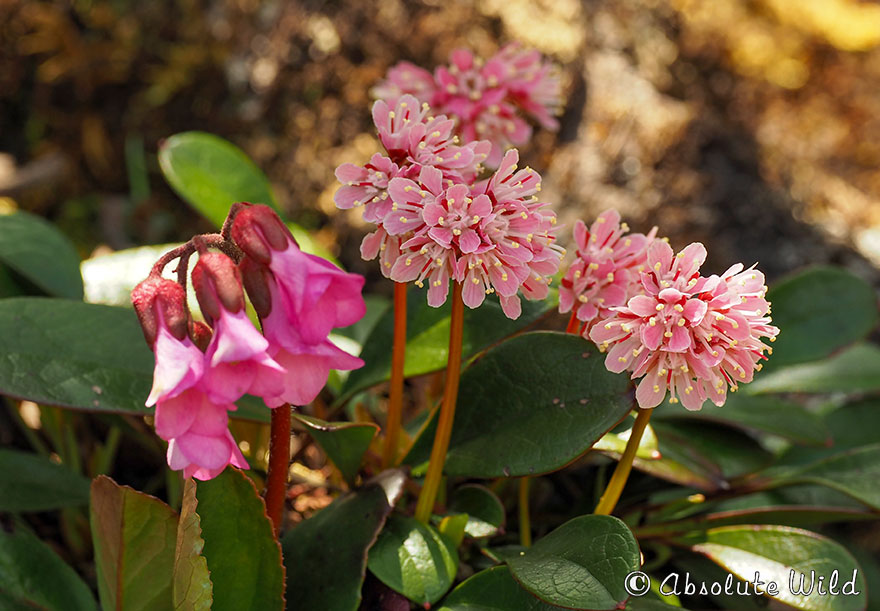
x: 573, y: 324
x: 624, y: 466
x: 525, y: 524
x: 425, y: 504
x: 279, y: 465
x: 398, y: 358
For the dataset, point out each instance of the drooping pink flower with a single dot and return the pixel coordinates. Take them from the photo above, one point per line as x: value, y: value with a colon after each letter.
x: 691, y: 335
x: 199, y: 442
x: 605, y: 272
x: 300, y: 298
x: 237, y: 357
x: 194, y: 425
x: 494, y: 237
x: 487, y: 100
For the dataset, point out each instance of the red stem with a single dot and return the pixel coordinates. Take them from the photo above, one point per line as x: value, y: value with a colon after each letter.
x: 279, y: 465
x: 398, y: 358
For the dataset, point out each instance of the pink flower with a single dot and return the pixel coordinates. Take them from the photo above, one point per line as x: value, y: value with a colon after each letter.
x: 605, y: 273
x: 495, y: 237
x: 692, y: 335
x: 300, y: 299
x: 237, y: 357
x: 485, y: 99
x: 199, y: 441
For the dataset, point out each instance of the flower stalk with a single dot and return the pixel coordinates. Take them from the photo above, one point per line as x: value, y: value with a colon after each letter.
x: 428, y: 495
x: 398, y: 358
x: 279, y: 466
x: 525, y: 523
x: 621, y: 473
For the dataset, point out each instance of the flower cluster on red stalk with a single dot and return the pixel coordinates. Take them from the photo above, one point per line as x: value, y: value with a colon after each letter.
x: 201, y: 370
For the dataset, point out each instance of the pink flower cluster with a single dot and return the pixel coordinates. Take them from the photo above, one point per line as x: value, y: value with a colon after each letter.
x: 436, y: 223
x: 487, y: 99
x: 605, y: 273
x: 691, y: 335
x: 299, y: 298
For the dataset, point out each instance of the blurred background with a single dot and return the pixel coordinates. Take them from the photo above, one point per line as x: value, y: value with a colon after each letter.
x: 753, y: 126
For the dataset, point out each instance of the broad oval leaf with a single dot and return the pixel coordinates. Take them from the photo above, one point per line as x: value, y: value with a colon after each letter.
x: 211, y: 174
x: 192, y: 589
x: 29, y: 482
x: 32, y: 576
x: 762, y: 415
x: 484, y: 510
x: 134, y: 538
x: 110, y: 278
x: 855, y: 369
x: 326, y: 555
x: 855, y: 473
x: 818, y: 311
x: 244, y: 557
x: 580, y: 565
x: 531, y: 405
x: 344, y: 442
x: 615, y: 442
x: 493, y: 590
x: 427, y: 337
x: 36, y: 250
x: 781, y: 554
x: 414, y: 559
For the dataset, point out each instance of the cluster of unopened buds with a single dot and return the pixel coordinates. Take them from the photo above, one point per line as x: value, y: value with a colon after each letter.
x: 203, y: 369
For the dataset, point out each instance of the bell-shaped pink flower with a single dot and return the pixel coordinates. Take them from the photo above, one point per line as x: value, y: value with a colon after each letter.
x: 237, y: 357
x: 687, y: 334
x: 605, y: 273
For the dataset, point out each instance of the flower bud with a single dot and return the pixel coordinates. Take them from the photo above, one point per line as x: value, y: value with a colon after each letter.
x: 217, y: 283
x: 257, y: 284
x: 201, y: 335
x: 157, y: 296
x: 258, y: 231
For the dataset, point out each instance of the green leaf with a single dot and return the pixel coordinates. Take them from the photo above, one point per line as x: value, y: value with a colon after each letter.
x: 702, y: 455
x: 761, y: 415
x: 484, y: 510
x: 493, y: 590
x: 35, y: 249
x: 427, y: 337
x: 211, y: 174
x: 73, y: 354
x: 580, y: 565
x: 530, y: 405
x: 29, y: 482
x: 244, y: 557
x: 855, y: 473
x: 32, y: 576
x: 615, y: 442
x: 453, y: 527
x: 344, y: 442
x: 414, y: 559
x: 326, y: 555
x: 192, y: 589
x: 774, y: 551
x: 855, y: 369
x: 134, y: 537
x: 110, y: 278
x: 819, y: 311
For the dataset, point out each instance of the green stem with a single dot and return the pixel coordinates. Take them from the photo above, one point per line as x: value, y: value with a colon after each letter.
x: 425, y: 504
x: 621, y: 473
x: 395, y: 397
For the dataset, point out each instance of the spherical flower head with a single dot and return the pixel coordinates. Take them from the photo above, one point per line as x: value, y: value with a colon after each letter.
x: 691, y: 335
x: 406, y: 78
x: 605, y: 272
x: 495, y: 237
x: 532, y: 83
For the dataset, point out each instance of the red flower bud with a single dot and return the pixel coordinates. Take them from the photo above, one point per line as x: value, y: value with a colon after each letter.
x: 258, y: 231
x: 217, y: 283
x: 257, y: 283
x: 201, y: 335
x: 155, y: 295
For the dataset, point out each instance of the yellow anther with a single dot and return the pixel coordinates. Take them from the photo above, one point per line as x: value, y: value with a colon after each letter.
x: 476, y: 280
x: 402, y: 219
x: 657, y: 266
x: 408, y: 188
x: 441, y: 220
x: 652, y: 321
x: 624, y: 227
x: 660, y: 307
x: 420, y: 284
x: 677, y: 307
x: 438, y: 262
x: 656, y: 388
x: 524, y: 215
x: 667, y: 334
x: 409, y: 261
x: 680, y: 322
x: 688, y: 390
x: 627, y: 242
x: 583, y: 299
x: 610, y: 277
x: 391, y: 114
x: 622, y: 359
x: 503, y: 276
x: 608, y: 325
x: 662, y: 372
x: 673, y: 400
